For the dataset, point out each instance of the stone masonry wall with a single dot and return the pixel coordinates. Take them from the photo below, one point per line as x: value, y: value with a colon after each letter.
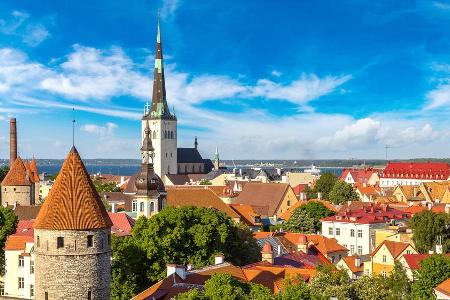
x: 74, y: 270
x: 19, y: 194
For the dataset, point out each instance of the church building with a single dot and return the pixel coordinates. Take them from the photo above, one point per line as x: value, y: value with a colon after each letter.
x: 168, y: 158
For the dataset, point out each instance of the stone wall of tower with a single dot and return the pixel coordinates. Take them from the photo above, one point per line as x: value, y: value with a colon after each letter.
x: 21, y: 194
x: 75, y: 270
x: 164, y: 140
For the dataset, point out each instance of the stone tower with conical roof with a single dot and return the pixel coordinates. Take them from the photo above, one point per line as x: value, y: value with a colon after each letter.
x: 72, y: 238
x: 150, y: 195
x: 163, y: 123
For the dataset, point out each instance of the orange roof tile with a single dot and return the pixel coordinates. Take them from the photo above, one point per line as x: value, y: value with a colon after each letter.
x: 18, y: 242
x: 34, y: 170
x: 395, y: 248
x: 17, y: 175
x: 247, y: 213
x: 350, y: 262
x: 73, y: 203
x: 444, y: 287
x: 204, y: 197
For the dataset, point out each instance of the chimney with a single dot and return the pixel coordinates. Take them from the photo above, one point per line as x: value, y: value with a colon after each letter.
x: 319, y: 196
x: 357, y: 262
x: 429, y: 205
x: 15, y: 205
x: 178, y: 269
x: 12, y: 141
x: 302, y: 244
x: 303, y: 197
x: 267, y: 253
x: 113, y: 207
x: 122, y: 179
x: 447, y: 208
x: 218, y: 259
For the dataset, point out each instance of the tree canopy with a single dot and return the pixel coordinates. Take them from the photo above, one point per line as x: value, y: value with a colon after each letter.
x: 185, y: 235
x: 433, y: 270
x: 106, y: 187
x: 8, y: 224
x: 3, y: 171
x: 306, y: 218
x: 427, y: 226
x: 342, y: 192
x: 325, y: 184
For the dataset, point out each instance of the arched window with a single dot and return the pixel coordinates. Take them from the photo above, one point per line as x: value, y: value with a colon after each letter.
x: 154, y: 134
x: 171, y: 134
x: 142, y: 206
x: 152, y: 207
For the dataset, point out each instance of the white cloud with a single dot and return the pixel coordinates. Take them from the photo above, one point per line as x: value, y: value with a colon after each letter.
x: 276, y: 73
x: 440, y: 97
x: 19, y: 24
x: 101, y: 131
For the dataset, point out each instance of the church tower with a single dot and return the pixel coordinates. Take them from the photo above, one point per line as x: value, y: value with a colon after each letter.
x: 150, y: 195
x: 163, y: 123
x: 216, y: 159
x: 72, y: 238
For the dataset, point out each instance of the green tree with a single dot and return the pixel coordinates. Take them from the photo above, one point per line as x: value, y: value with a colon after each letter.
x: 8, y: 224
x: 309, y: 192
x: 324, y: 184
x: 106, y: 187
x: 306, y: 218
x: 398, y: 285
x: 369, y: 288
x: 224, y: 286
x: 129, y: 268
x: 433, y: 270
x: 205, y: 182
x: 342, y: 192
x: 329, y: 283
x: 192, y: 235
x: 294, y: 289
x: 427, y: 226
x: 3, y: 171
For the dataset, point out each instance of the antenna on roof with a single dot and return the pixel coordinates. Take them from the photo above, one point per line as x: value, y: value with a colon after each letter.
x: 73, y: 126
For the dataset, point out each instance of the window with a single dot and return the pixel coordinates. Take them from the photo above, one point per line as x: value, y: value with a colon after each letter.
x: 171, y: 134
x: 154, y: 134
x: 359, y: 250
x: 408, y: 252
x: 21, y: 261
x: 352, y: 232
x: 383, y: 274
x: 90, y: 241
x: 46, y: 295
x: 60, y: 242
x: 31, y: 266
x: 338, y: 231
x: 352, y: 249
x: 330, y: 230
x: 2, y: 288
x: 21, y: 283
x: 384, y: 258
x: 152, y: 207
x: 134, y: 206
x: 31, y: 290
x: 89, y: 296
x: 38, y: 242
x: 142, y: 206
x: 288, y: 203
x: 359, y: 233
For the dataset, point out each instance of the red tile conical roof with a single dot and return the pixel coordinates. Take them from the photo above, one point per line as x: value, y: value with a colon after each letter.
x: 17, y: 174
x: 34, y: 170
x: 73, y: 203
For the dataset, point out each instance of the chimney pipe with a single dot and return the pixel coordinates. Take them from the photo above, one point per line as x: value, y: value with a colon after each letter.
x: 12, y: 141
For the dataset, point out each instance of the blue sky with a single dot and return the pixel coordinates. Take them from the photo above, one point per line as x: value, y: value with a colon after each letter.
x: 260, y: 79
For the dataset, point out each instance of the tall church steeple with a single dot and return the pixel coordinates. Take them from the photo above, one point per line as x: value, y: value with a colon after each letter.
x: 161, y: 122
x: 159, y: 107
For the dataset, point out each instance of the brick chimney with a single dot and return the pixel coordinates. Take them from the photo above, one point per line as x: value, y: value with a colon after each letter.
x: 12, y: 141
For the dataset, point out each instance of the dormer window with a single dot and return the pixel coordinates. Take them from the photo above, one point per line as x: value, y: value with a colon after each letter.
x: 90, y: 241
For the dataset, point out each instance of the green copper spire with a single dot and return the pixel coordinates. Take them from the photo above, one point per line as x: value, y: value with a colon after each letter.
x: 158, y: 36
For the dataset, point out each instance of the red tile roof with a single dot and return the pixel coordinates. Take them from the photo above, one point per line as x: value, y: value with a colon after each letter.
x: 413, y: 260
x: 299, y: 188
x: 25, y: 227
x: 34, y: 170
x: 417, y: 170
x: 17, y: 175
x: 73, y: 203
x: 370, y: 214
x: 358, y: 175
x: 246, y: 213
x: 350, y: 262
x: 122, y: 224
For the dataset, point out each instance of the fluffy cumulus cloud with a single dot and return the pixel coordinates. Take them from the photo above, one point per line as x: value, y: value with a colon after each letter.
x: 102, y: 131
x: 440, y: 97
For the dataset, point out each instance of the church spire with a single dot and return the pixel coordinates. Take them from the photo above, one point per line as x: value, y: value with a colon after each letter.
x: 159, y: 107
